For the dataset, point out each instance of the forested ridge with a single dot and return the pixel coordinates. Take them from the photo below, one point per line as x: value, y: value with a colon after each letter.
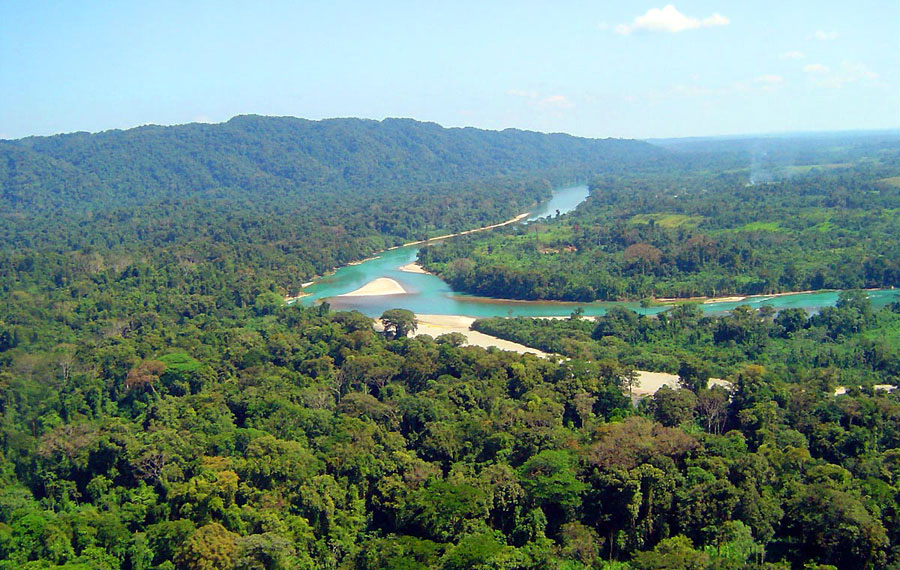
x: 715, y: 221
x: 162, y: 408
x: 288, y: 198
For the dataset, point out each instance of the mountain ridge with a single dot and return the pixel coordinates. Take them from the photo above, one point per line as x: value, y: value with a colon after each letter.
x: 290, y: 157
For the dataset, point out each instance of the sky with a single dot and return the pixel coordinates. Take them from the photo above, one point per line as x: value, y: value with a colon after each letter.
x: 635, y: 69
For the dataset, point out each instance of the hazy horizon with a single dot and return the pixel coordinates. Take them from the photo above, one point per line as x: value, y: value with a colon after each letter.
x: 728, y: 136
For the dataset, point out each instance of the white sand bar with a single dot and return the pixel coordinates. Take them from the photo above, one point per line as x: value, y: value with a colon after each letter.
x: 518, y: 218
x: 380, y: 286
x: 650, y: 382
x: 413, y: 268
x: 436, y: 325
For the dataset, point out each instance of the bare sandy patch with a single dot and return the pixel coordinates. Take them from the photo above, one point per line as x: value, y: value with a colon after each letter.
x: 725, y: 300
x: 841, y: 390
x: 650, y: 382
x: 377, y: 287
x: 436, y: 325
x: 518, y: 218
x: 292, y: 298
x: 414, y: 268
x: 677, y: 300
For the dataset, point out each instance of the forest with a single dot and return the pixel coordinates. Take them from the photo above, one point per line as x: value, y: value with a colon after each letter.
x: 703, y: 228
x: 162, y: 408
x: 286, y: 198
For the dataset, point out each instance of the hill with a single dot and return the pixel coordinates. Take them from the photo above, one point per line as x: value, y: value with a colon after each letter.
x: 281, y: 159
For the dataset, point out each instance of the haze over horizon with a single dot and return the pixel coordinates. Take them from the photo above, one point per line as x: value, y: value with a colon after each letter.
x: 654, y: 70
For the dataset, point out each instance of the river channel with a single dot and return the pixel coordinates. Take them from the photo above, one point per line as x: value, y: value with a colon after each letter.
x: 428, y: 294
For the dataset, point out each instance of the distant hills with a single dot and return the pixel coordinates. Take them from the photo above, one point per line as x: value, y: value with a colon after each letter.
x: 285, y: 198
x: 283, y: 159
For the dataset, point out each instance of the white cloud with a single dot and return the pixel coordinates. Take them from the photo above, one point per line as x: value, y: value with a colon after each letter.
x: 715, y: 20
x: 603, y: 26
x: 770, y: 79
x: 522, y: 93
x: 669, y: 19
x: 534, y: 99
x: 760, y: 85
x: 825, y: 36
x: 768, y: 83
x: 792, y: 55
x: 201, y: 119
x: 849, y: 72
x: 558, y: 101
x: 816, y: 68
x: 696, y: 91
x: 858, y: 72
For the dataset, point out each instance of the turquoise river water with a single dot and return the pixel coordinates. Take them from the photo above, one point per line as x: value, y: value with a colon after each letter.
x: 428, y: 294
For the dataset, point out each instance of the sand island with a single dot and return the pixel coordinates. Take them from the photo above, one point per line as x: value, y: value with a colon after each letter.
x: 377, y: 287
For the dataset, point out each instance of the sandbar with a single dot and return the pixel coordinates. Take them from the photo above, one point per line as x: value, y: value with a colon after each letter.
x: 518, y: 218
x: 377, y: 287
x: 414, y: 268
x: 650, y: 382
x: 678, y: 300
x: 291, y: 298
x: 436, y: 325
x: 725, y: 300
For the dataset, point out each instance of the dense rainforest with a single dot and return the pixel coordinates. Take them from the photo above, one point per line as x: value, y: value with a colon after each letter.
x: 286, y: 198
x: 162, y: 408
x: 724, y: 220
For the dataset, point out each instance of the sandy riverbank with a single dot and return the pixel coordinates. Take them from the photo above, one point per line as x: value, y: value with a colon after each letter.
x: 300, y: 295
x: 380, y: 286
x: 725, y: 300
x: 361, y: 261
x: 291, y: 299
x: 735, y: 298
x: 676, y: 300
x: 436, y: 325
x: 518, y: 218
x: 414, y: 268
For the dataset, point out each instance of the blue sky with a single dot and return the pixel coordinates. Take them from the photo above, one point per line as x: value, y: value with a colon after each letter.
x: 597, y: 69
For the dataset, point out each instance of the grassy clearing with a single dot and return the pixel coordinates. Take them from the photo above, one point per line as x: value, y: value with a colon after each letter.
x: 825, y: 227
x: 762, y: 227
x: 892, y: 182
x: 668, y: 220
x: 804, y: 168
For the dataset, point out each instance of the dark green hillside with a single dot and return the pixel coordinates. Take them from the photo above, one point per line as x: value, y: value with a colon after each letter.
x: 304, y: 195
x: 284, y: 159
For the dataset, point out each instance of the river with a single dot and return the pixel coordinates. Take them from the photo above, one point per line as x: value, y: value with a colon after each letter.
x: 428, y: 294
